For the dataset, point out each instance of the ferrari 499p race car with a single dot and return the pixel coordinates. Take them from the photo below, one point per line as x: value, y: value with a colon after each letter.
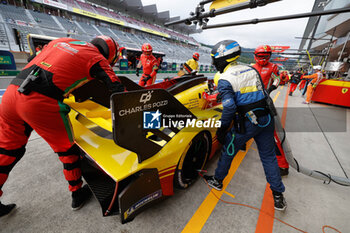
x: 141, y: 143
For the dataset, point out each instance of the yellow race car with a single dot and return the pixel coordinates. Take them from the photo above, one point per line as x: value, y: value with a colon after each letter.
x: 140, y: 143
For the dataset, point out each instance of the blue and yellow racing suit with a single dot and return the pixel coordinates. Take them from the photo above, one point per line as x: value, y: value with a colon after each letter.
x: 243, y: 95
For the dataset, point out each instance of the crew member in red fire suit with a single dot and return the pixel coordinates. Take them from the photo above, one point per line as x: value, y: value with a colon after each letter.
x: 150, y: 66
x: 270, y: 76
x: 284, y: 77
x: 34, y: 101
x: 268, y: 71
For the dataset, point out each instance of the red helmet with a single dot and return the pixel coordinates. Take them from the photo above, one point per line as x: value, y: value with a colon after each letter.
x: 108, y: 47
x: 262, y: 54
x: 146, y: 47
x: 196, y: 56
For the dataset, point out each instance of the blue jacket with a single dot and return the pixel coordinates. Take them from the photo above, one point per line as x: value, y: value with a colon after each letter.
x: 238, y: 85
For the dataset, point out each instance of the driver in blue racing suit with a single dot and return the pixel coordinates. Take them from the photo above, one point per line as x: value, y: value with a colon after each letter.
x: 244, y: 101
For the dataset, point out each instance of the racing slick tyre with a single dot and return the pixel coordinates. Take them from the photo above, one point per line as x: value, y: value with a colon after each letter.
x: 193, y: 159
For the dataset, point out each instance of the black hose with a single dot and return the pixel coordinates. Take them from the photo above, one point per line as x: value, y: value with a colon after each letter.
x: 296, y: 161
x: 330, y: 178
x: 329, y: 144
x: 284, y: 137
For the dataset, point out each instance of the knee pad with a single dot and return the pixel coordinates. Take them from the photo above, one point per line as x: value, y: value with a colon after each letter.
x: 74, y: 150
x: 10, y: 158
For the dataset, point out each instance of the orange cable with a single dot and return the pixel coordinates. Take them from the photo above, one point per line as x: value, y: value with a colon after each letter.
x: 326, y: 226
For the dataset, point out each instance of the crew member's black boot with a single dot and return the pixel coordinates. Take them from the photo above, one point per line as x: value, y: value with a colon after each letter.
x: 6, y: 209
x: 284, y: 171
x: 213, y: 182
x: 279, y: 201
x: 80, y: 196
x: 244, y: 147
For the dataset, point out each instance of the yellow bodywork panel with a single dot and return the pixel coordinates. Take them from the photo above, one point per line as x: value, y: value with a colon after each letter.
x: 94, y: 112
x: 190, y: 98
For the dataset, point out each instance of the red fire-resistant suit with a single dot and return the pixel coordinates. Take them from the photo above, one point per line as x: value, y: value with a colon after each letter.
x: 62, y: 66
x: 269, y: 74
x: 271, y: 79
x: 284, y: 77
x: 150, y: 68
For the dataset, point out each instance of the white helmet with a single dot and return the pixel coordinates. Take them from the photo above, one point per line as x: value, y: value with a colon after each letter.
x: 317, y: 67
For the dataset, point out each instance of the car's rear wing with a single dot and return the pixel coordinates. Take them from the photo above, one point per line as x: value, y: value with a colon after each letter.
x: 98, y: 92
x: 137, y: 120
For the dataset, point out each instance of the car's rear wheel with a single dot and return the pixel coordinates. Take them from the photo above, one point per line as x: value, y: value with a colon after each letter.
x: 192, y: 160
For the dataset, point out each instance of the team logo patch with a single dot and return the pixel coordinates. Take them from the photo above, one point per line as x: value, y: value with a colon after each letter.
x: 78, y: 42
x: 45, y: 64
x: 344, y: 90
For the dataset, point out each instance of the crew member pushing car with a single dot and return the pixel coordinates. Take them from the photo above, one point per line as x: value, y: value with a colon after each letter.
x: 34, y: 101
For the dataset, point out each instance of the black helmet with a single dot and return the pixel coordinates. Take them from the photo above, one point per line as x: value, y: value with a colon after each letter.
x: 224, y: 53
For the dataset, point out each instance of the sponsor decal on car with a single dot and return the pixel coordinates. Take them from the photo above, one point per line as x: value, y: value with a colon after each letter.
x: 144, y: 99
x: 142, y: 202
